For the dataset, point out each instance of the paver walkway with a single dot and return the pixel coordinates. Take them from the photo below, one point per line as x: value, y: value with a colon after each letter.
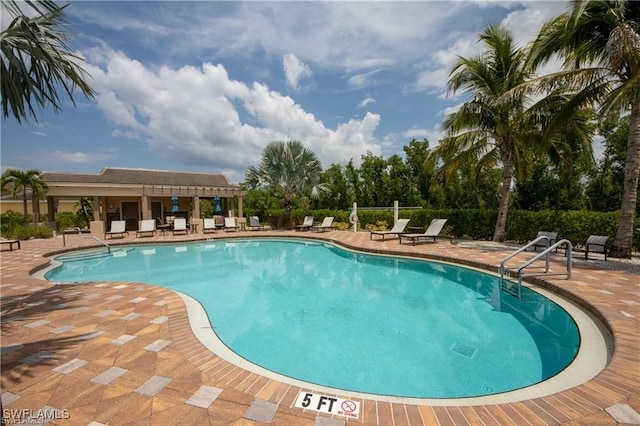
x: 124, y: 353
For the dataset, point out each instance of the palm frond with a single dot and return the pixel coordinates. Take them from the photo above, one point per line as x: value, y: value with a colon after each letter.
x: 37, y: 63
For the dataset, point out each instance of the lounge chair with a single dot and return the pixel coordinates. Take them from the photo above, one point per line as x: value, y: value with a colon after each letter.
x: 117, y: 229
x: 596, y: 243
x: 209, y: 225
x: 306, y: 224
x: 553, y: 238
x: 230, y: 223
x: 398, y: 228
x: 180, y: 225
x: 147, y: 226
x: 327, y: 223
x: 432, y: 232
x: 219, y: 221
x: 255, y: 225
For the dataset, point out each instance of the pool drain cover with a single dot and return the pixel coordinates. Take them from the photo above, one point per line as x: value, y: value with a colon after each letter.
x: 464, y: 350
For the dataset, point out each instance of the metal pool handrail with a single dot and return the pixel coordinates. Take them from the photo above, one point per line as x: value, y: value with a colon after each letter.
x: 546, y: 252
x: 75, y: 228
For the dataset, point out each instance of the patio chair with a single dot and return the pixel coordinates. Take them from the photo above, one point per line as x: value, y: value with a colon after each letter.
x: 117, y: 229
x: 180, y: 225
x: 146, y: 227
x: 432, y: 232
x: 230, y: 224
x: 597, y: 244
x: 327, y: 223
x: 398, y: 228
x: 218, y: 220
x: 255, y: 225
x: 306, y: 224
x: 209, y: 225
x: 553, y: 238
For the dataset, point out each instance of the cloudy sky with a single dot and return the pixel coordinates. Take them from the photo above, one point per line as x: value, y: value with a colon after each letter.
x: 206, y: 85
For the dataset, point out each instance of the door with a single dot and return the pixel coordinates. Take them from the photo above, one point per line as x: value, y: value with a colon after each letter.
x: 131, y: 214
x: 156, y: 210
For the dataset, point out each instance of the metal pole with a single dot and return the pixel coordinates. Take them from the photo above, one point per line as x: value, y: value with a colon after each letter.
x: 395, y: 212
x: 355, y: 212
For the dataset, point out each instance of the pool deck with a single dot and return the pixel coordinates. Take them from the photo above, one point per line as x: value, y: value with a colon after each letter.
x: 124, y: 353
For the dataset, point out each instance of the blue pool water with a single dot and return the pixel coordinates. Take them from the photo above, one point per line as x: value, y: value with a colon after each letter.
x: 359, y: 322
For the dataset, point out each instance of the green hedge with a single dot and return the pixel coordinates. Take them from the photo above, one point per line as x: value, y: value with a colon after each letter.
x: 576, y: 226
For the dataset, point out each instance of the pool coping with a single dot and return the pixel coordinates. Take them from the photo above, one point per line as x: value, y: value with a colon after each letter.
x: 615, y: 305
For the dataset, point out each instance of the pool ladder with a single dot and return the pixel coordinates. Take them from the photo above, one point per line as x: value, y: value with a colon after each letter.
x: 79, y: 231
x: 516, y: 290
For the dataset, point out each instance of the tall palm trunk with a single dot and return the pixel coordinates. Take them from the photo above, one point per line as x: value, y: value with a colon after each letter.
x: 503, y: 210
x: 35, y: 206
x: 624, y: 237
x: 25, y: 220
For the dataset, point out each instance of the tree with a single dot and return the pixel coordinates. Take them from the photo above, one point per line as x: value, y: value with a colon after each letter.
x: 486, y: 129
x: 17, y: 181
x: 599, y: 43
x: 606, y: 185
x: 337, y: 196
x: 36, y: 61
x: 289, y: 168
x: 416, y: 154
x: 372, y: 171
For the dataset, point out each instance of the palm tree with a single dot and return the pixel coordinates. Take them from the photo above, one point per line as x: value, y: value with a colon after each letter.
x: 600, y: 45
x: 289, y: 168
x: 17, y: 181
x: 486, y: 130
x: 36, y: 62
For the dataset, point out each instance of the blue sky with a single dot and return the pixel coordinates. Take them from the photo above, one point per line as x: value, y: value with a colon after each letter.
x: 205, y: 85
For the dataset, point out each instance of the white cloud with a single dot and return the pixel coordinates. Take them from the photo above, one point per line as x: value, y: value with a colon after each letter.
x: 128, y: 134
x: 450, y: 109
x: 433, y: 135
x: 192, y: 115
x: 362, y: 80
x: 295, y: 70
x: 77, y: 157
x: 366, y: 101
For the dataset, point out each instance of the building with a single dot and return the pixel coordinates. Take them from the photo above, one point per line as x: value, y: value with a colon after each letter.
x: 135, y: 194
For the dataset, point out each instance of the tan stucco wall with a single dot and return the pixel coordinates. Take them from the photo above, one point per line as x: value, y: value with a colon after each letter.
x: 16, y: 206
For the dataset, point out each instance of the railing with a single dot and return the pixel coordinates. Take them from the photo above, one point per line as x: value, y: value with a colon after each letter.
x: 508, y: 287
x: 75, y: 228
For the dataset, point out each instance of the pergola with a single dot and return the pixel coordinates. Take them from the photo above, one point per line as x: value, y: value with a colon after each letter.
x: 136, y: 194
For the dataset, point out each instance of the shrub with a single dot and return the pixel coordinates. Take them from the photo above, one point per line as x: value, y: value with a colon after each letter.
x: 22, y: 232
x: 9, y: 221
x: 65, y: 220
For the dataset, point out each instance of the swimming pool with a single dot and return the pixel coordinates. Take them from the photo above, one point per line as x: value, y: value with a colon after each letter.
x: 365, y: 323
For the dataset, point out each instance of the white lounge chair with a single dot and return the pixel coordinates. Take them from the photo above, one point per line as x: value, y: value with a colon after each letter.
x: 117, y: 229
x: 306, y: 224
x: 397, y: 229
x: 230, y: 223
x: 180, y: 225
x: 209, y: 225
x: 147, y: 226
x: 327, y: 223
x: 432, y: 232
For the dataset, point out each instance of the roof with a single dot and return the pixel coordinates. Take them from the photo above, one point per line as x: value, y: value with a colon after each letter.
x: 110, y: 175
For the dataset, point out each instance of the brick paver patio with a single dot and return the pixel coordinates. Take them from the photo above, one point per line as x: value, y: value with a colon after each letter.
x: 124, y: 353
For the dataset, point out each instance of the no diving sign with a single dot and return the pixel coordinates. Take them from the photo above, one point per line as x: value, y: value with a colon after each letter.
x: 328, y: 404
